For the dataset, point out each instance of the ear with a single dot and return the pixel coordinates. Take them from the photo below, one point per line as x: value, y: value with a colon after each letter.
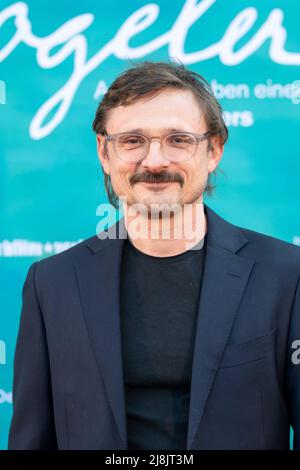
x: 102, y: 153
x: 215, y: 153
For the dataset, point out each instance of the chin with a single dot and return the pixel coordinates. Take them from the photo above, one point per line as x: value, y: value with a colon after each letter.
x: 156, y: 204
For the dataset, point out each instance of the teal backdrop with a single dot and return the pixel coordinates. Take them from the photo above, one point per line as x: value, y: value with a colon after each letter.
x: 57, y: 59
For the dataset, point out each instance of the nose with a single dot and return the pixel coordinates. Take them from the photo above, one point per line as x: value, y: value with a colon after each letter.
x: 155, y: 158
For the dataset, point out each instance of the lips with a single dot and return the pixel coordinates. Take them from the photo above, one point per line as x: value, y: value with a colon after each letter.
x: 156, y: 182
x: 157, y: 185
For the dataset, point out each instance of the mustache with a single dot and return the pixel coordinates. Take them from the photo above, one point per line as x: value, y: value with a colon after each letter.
x: 162, y: 177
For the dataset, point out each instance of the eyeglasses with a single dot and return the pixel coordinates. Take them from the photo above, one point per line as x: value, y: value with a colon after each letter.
x: 176, y: 147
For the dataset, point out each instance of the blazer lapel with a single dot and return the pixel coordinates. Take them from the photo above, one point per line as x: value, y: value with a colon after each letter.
x: 98, y: 280
x: 224, y: 280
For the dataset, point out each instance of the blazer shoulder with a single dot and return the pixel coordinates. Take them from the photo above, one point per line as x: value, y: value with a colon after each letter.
x: 65, y: 258
x: 272, y: 247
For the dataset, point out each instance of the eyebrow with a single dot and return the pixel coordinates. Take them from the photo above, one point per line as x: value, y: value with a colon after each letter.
x: 142, y: 131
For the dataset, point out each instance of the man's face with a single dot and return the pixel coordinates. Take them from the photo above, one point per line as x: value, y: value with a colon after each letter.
x: 170, y: 110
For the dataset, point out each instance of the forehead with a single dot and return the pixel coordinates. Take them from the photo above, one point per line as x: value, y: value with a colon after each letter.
x: 169, y: 108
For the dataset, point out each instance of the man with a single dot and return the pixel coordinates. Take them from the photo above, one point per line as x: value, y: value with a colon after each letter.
x: 145, y: 341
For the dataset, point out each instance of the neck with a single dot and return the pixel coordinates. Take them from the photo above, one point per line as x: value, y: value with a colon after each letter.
x: 169, y: 234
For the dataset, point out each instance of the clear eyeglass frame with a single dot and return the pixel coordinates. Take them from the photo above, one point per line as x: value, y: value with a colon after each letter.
x: 196, y: 139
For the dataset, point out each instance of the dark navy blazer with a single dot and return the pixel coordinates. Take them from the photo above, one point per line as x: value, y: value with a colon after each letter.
x: 68, y: 390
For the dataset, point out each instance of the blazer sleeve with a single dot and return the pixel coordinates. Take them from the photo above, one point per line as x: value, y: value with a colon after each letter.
x: 293, y: 370
x: 32, y: 425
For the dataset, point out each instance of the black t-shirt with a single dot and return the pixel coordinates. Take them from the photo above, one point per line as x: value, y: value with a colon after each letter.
x: 159, y: 300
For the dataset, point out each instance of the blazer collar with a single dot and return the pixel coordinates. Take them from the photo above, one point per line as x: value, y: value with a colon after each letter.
x: 219, y: 233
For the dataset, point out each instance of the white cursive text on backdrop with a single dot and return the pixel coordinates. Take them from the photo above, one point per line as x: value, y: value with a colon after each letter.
x: 72, y: 42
